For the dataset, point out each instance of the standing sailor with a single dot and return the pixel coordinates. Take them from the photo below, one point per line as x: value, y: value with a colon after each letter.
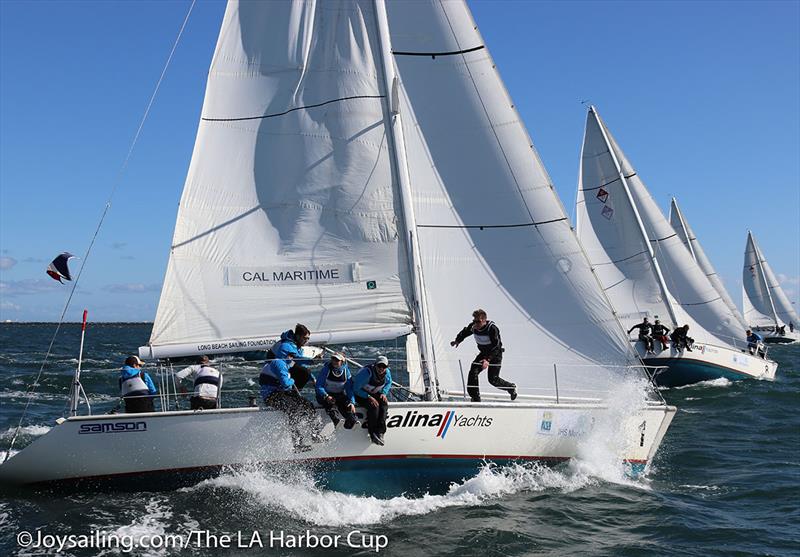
x: 207, y: 384
x: 490, y: 355
x: 291, y: 343
x: 371, y: 386
x: 278, y: 391
x: 136, y: 387
x: 335, y: 390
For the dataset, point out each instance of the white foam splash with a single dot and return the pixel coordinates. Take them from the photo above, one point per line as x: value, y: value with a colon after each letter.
x: 32, y: 430
x: 304, y: 500
x: 718, y: 382
x: 4, y: 453
x: 153, y: 524
x: 600, y: 453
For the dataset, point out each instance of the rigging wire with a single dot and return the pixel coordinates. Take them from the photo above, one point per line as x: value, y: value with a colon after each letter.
x: 116, y: 183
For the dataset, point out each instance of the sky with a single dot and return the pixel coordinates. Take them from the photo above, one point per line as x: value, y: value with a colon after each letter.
x: 704, y: 98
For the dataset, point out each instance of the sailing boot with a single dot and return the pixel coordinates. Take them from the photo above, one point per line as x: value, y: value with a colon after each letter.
x: 334, y: 418
x: 513, y: 392
x: 376, y: 439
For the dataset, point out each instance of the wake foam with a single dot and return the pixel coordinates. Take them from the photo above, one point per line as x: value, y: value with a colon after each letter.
x: 718, y: 382
x: 30, y: 430
x: 303, y: 499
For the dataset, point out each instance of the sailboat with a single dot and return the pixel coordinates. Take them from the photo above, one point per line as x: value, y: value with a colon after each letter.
x: 689, y: 239
x: 360, y: 168
x: 767, y: 309
x: 647, y: 271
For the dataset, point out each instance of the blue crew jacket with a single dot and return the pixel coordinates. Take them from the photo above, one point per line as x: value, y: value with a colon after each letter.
x: 363, y: 377
x: 322, y: 379
x: 287, y: 345
x: 129, y: 372
x: 278, y: 371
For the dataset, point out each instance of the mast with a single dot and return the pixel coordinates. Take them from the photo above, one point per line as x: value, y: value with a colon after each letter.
x: 661, y: 282
x: 674, y: 207
x: 764, y: 277
x: 400, y: 163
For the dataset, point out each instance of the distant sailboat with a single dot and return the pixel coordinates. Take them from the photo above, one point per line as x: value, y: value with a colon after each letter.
x: 647, y: 271
x: 767, y: 309
x: 366, y: 173
x: 689, y: 239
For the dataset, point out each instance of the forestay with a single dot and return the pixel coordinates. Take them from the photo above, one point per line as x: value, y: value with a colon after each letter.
x: 289, y: 210
x: 765, y: 303
x: 689, y: 239
x: 491, y: 230
x: 617, y: 215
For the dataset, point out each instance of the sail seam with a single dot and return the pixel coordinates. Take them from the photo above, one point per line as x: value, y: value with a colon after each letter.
x: 435, y: 54
x: 664, y: 238
x: 482, y: 226
x: 703, y: 303
x: 617, y: 179
x: 284, y: 113
x: 623, y: 259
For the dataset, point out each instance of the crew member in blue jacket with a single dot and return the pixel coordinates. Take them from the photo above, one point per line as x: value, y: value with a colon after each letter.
x: 754, y: 343
x: 136, y: 387
x: 279, y: 391
x: 335, y: 390
x: 291, y: 343
x: 371, y: 386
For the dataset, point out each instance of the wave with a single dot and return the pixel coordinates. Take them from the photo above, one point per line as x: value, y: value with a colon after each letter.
x: 32, y: 430
x: 718, y: 382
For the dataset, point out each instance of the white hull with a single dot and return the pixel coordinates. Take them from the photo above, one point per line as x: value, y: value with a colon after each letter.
x: 135, y: 446
x: 705, y: 362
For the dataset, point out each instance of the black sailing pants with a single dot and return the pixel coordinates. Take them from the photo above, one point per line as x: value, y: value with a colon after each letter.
x: 495, y: 360
x: 376, y: 415
x: 648, y: 342
x: 339, y: 401
x: 299, y: 412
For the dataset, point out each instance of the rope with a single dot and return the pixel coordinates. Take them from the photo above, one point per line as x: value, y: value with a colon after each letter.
x: 117, y: 181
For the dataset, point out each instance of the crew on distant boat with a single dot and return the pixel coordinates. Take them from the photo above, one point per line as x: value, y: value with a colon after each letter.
x: 644, y: 334
x: 279, y: 391
x: 755, y: 343
x: 292, y: 342
x: 136, y: 387
x: 781, y: 330
x: 791, y: 327
x: 207, y: 384
x: 660, y: 332
x: 371, y: 386
x: 680, y: 338
x: 335, y: 390
x: 490, y: 355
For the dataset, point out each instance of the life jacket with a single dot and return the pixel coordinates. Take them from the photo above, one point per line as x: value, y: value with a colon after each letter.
x: 134, y: 386
x: 335, y: 384
x: 482, y: 335
x: 375, y: 383
x: 207, y: 376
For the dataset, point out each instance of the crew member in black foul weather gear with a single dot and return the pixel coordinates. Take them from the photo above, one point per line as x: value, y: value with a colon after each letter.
x: 490, y: 355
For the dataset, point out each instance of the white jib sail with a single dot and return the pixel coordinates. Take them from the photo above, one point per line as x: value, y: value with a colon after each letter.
x: 689, y: 239
x: 491, y: 230
x: 289, y: 211
x: 616, y: 217
x: 765, y: 303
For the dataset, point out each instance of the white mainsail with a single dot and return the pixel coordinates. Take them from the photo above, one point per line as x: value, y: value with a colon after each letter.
x: 765, y: 302
x: 617, y: 218
x: 690, y: 240
x: 289, y: 211
x: 310, y: 145
x: 491, y: 230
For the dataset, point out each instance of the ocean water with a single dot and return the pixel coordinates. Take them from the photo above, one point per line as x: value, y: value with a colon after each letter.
x: 725, y: 482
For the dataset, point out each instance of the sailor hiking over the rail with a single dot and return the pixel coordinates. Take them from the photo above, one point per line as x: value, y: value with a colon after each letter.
x: 334, y: 388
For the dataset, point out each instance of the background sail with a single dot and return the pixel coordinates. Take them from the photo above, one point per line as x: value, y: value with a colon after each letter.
x: 765, y: 302
x: 288, y: 211
x: 492, y: 232
x: 685, y: 281
x: 689, y: 239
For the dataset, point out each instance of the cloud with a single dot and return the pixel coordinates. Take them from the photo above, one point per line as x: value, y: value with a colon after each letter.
x: 128, y: 257
x: 786, y: 279
x: 119, y: 245
x: 28, y: 286
x: 32, y: 260
x: 7, y: 262
x: 5, y: 304
x: 132, y: 288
